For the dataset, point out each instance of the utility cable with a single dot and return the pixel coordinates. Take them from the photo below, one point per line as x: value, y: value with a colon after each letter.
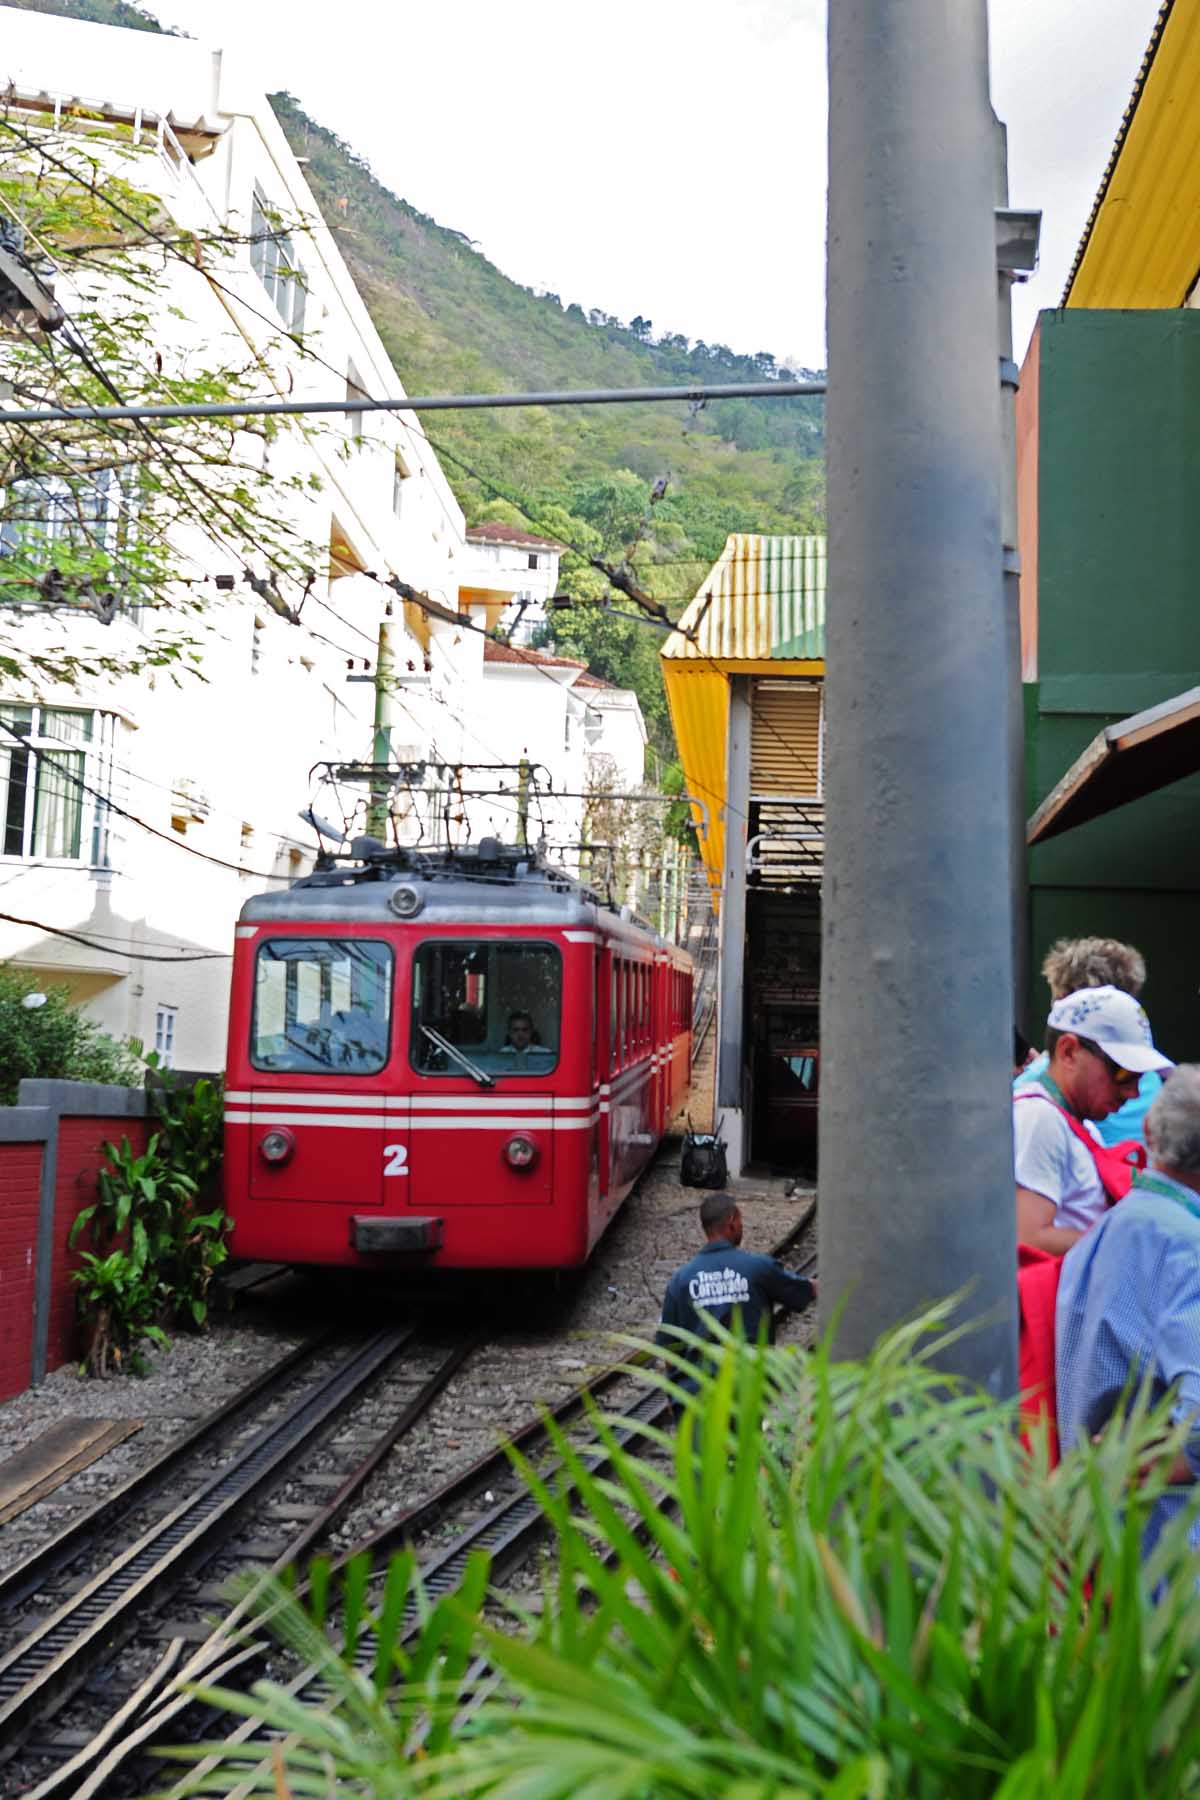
x: 113, y: 949
x: 620, y: 577
x: 122, y: 813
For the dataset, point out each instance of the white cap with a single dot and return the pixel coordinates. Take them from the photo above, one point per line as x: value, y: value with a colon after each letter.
x: 1114, y: 1022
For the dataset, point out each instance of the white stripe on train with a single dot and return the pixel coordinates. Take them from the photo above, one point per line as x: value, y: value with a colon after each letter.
x: 403, y: 1122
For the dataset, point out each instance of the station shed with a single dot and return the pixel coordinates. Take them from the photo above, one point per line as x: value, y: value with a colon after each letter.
x: 745, y: 675
x: 1108, y: 442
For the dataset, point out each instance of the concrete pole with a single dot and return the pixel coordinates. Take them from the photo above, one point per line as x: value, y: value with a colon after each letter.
x: 731, y: 963
x: 917, y: 1197
x: 1018, y: 853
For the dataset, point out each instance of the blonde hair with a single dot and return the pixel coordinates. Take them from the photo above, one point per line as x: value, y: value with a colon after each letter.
x: 1074, y: 963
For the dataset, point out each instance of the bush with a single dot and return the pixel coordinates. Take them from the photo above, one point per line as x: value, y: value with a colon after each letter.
x: 157, y: 1230
x: 880, y: 1592
x: 55, y: 1042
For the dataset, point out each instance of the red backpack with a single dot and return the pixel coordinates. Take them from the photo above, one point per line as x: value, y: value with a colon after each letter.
x: 1037, y: 1296
x: 1116, y: 1164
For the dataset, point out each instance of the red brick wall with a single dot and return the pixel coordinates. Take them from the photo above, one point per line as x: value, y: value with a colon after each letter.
x: 20, y: 1186
x: 80, y: 1155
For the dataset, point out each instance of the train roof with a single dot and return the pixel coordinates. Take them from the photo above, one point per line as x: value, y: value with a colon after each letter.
x: 489, y: 884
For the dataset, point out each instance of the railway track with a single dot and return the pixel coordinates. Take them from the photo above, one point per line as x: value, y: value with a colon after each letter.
x: 509, y: 1526
x: 53, y: 1661
x: 505, y: 1520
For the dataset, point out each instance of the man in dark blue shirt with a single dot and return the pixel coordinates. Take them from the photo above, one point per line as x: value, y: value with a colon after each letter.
x: 725, y: 1282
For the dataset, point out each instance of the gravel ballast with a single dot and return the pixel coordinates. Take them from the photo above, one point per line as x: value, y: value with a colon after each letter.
x: 533, y: 1352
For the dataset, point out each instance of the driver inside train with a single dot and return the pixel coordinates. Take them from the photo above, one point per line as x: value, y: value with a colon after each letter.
x: 487, y: 1009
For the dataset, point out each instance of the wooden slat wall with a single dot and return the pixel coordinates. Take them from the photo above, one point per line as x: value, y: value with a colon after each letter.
x: 785, y: 736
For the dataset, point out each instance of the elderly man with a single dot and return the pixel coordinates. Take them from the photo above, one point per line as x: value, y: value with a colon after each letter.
x: 1129, y: 1294
x: 1100, y: 1046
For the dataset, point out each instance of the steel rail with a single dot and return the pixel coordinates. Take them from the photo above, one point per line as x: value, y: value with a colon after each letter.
x: 25, y: 1577
x: 507, y: 1531
x: 56, y: 1657
x: 91, y: 1766
x: 495, y: 1463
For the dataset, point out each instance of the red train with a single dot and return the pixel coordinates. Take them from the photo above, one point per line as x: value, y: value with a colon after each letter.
x: 452, y: 1060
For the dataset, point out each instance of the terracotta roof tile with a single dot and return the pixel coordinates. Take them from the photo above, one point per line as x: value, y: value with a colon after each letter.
x: 494, y: 533
x: 494, y: 652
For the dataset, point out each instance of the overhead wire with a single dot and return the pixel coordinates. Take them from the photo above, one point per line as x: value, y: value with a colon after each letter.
x: 122, y: 812
x: 75, y: 341
x: 115, y: 949
x: 521, y: 504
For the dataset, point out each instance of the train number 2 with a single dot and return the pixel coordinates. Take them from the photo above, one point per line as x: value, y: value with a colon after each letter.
x: 395, y: 1159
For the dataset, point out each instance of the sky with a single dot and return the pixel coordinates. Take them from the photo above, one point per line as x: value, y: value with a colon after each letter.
x: 665, y: 159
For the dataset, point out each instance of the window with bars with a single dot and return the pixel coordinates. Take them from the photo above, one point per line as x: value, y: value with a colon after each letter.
x: 47, y: 810
x: 273, y: 259
x: 98, y: 510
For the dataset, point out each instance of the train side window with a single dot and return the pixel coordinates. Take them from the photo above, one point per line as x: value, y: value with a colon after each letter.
x: 622, y: 1010
x: 614, y: 1034
x: 321, y: 1006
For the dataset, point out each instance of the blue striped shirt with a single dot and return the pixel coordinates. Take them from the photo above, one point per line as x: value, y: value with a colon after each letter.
x: 1129, y: 1302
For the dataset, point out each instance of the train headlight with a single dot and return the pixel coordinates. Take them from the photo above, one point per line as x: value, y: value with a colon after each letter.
x: 520, y: 1153
x: 406, y: 900
x: 277, y: 1146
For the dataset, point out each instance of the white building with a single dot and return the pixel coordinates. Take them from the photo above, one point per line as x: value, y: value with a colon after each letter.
x: 209, y: 773
x: 580, y: 736
x: 519, y: 563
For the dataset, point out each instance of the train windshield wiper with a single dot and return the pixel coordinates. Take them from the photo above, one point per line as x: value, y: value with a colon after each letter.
x: 473, y: 1069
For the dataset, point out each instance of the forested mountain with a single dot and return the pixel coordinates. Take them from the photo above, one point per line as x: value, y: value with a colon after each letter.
x: 453, y: 322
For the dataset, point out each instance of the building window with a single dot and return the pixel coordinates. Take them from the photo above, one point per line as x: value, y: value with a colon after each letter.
x: 532, y: 560
x: 54, y: 784
x: 96, y: 510
x: 273, y: 259
x: 354, y: 391
x: 164, y: 1035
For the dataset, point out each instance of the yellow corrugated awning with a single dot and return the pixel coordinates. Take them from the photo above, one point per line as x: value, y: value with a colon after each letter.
x: 1141, y: 246
x: 759, y: 611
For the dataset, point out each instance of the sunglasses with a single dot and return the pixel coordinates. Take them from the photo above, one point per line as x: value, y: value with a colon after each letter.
x: 1115, y: 1070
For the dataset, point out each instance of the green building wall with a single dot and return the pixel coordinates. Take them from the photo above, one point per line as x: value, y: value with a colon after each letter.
x: 1118, y: 601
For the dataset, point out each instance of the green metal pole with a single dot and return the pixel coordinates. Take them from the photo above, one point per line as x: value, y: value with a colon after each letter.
x: 381, y: 742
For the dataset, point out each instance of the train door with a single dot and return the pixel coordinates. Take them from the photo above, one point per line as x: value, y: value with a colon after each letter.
x: 607, y: 1062
x: 660, y: 979
x: 484, y: 1046
x: 596, y: 1183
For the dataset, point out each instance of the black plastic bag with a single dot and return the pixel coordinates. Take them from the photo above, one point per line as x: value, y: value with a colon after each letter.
x: 703, y: 1163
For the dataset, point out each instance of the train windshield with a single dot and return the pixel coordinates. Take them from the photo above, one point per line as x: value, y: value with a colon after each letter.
x: 322, y: 1006
x: 494, y: 1006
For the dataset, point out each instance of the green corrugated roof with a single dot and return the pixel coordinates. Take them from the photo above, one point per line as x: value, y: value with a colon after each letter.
x: 763, y: 599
